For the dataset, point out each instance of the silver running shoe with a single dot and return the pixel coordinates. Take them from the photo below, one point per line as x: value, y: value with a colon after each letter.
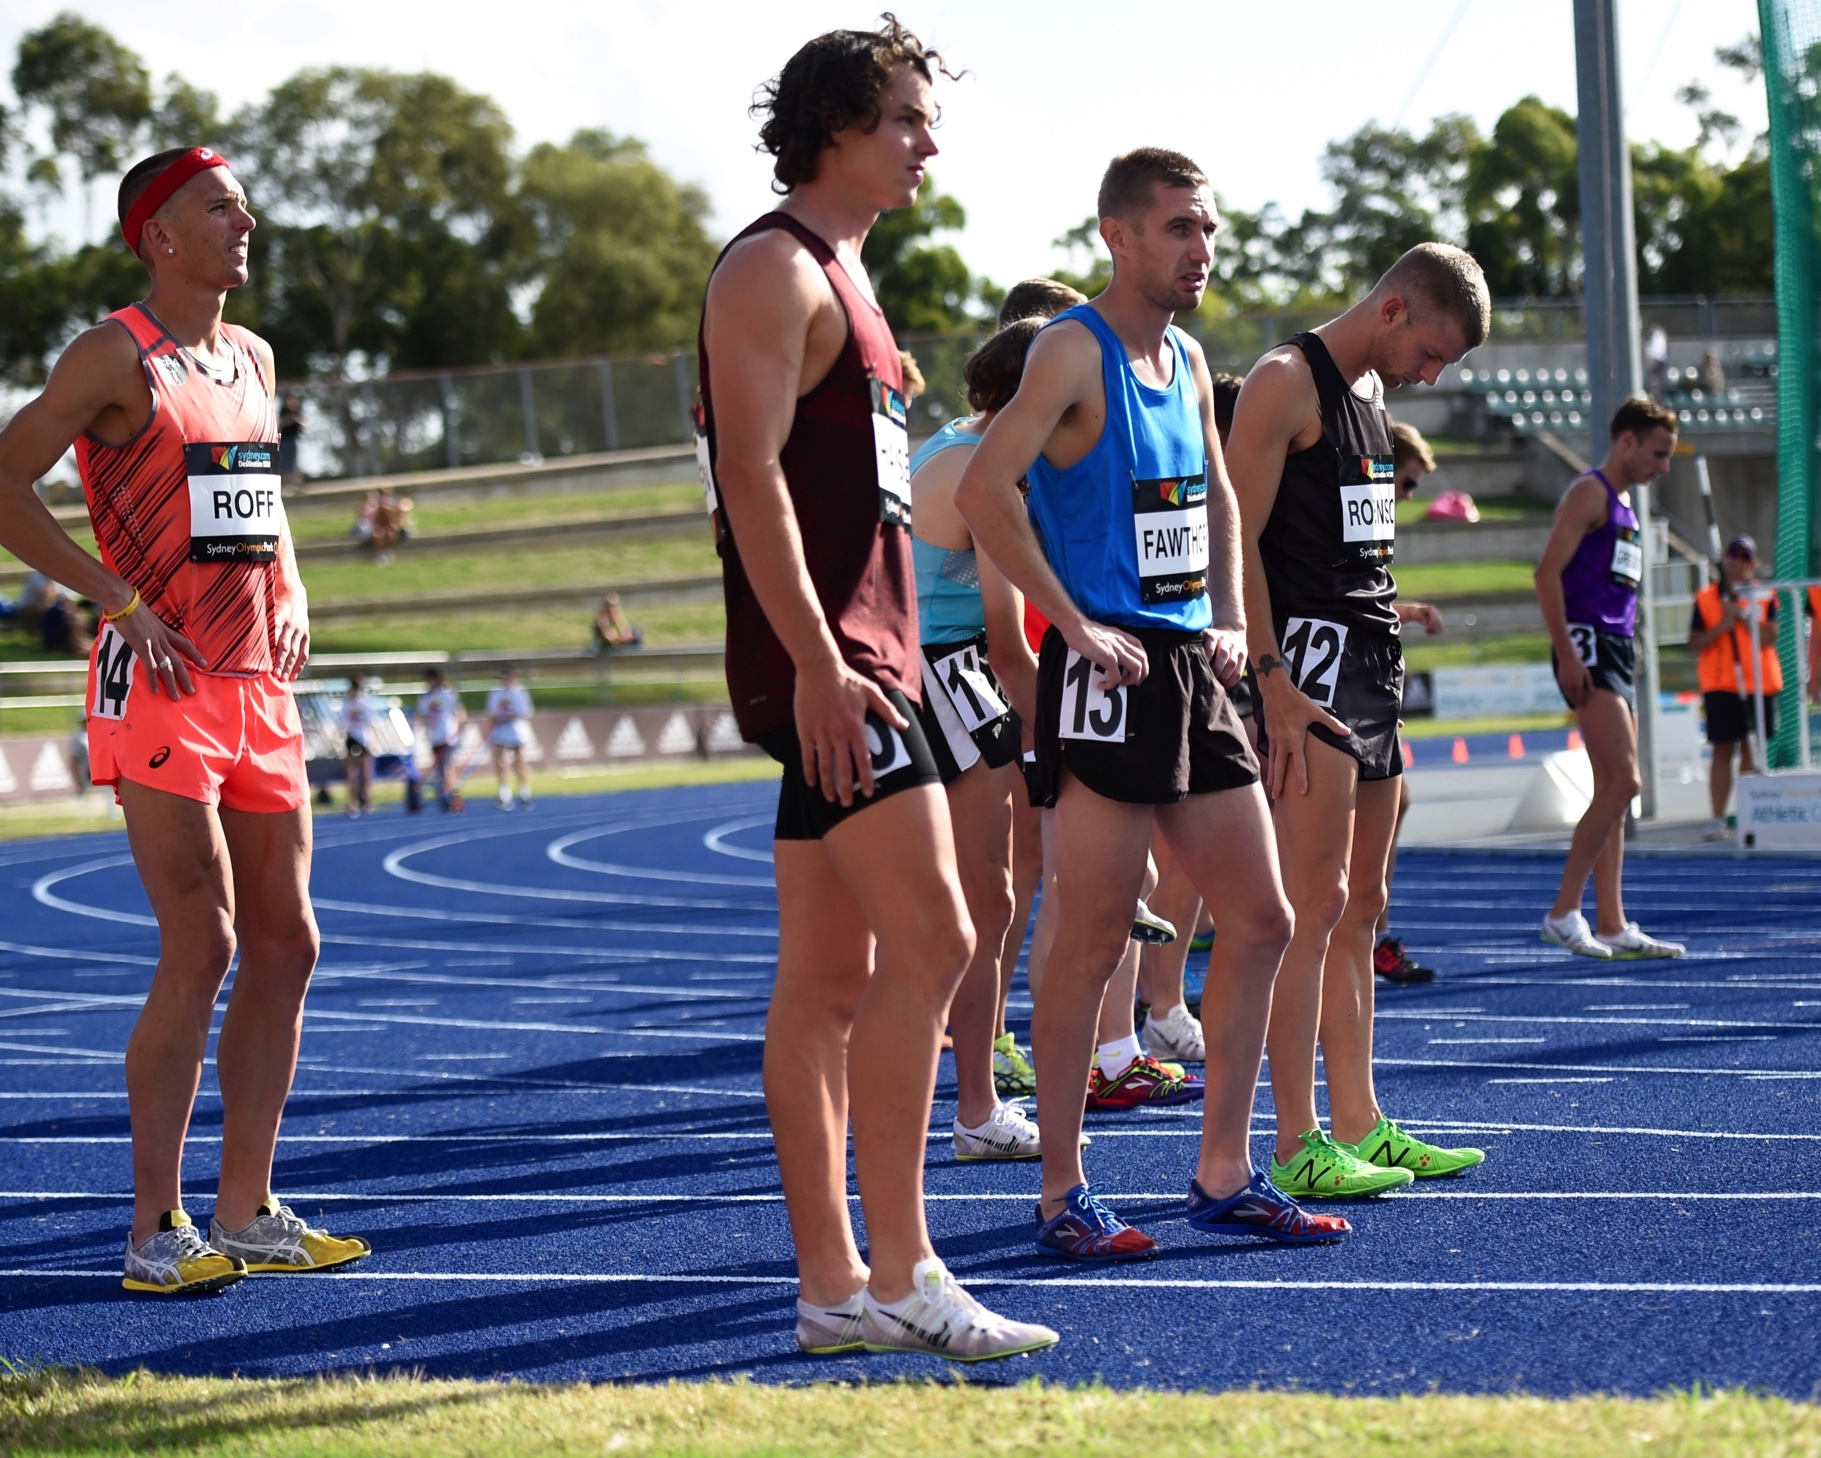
x: 1573, y: 933
x: 941, y: 1320
x: 1178, y: 1036
x: 278, y: 1241
x: 1633, y: 944
x: 1007, y: 1134
x: 824, y: 1331
x: 177, y: 1261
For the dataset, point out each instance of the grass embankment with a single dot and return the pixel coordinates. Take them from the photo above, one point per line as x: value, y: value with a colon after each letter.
x: 63, y: 1413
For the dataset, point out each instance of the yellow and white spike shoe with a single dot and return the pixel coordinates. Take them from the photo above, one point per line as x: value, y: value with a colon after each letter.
x: 177, y: 1261
x: 278, y: 1241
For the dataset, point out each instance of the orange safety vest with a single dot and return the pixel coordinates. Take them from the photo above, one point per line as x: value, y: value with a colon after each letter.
x: 1732, y: 649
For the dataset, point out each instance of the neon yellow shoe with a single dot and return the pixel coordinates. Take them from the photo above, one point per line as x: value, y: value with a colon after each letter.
x: 278, y: 1241
x: 1390, y: 1148
x: 177, y: 1261
x: 1324, y: 1170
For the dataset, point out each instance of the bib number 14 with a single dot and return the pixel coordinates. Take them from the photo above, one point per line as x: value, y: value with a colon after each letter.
x: 1090, y: 711
x: 114, y: 662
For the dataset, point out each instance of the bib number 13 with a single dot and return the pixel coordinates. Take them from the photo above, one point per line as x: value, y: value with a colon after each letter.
x: 1090, y: 711
x: 1312, y: 649
x: 114, y: 662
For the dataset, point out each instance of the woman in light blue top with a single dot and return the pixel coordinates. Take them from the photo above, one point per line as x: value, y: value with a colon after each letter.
x: 977, y: 668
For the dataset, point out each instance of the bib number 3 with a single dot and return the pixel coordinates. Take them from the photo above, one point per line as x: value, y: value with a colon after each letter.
x: 114, y: 662
x: 1090, y: 711
x: 1582, y: 637
x: 1312, y: 651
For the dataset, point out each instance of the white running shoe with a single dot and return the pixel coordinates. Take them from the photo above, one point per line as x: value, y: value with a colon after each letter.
x: 1573, y: 933
x: 939, y: 1319
x: 1178, y: 1036
x: 1008, y: 1133
x: 1717, y: 829
x: 824, y: 1331
x: 1632, y: 944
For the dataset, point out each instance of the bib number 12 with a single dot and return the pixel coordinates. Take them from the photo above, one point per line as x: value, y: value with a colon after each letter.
x: 1312, y: 649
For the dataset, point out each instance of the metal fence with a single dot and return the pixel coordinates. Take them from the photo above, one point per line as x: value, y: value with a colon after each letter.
x: 415, y: 421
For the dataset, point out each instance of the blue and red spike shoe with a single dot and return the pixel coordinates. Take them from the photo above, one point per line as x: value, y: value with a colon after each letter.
x: 1262, y: 1209
x: 1087, y: 1231
x: 1146, y: 1083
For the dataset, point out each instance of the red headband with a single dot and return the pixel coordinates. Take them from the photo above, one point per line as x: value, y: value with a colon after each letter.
x: 197, y: 159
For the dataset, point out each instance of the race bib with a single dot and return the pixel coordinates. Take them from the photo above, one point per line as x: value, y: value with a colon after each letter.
x: 1627, y: 558
x: 1368, y: 507
x: 1170, y: 533
x: 236, y: 514
x: 711, y: 499
x: 967, y: 684
x: 886, y: 746
x: 1089, y: 710
x: 891, y: 446
x: 1312, y: 651
x: 1586, y: 645
x: 113, y: 676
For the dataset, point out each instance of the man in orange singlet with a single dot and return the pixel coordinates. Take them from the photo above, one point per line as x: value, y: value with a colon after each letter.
x: 190, y: 716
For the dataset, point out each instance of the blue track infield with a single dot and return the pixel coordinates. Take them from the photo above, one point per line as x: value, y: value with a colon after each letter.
x: 531, y: 1077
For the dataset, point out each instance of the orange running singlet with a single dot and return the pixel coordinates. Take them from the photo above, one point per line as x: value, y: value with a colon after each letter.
x: 188, y: 510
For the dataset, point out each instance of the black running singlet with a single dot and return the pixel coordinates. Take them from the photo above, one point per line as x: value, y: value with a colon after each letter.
x: 1328, y: 545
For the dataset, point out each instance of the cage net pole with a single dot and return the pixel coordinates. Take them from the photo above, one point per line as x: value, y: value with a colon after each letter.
x: 1791, y: 33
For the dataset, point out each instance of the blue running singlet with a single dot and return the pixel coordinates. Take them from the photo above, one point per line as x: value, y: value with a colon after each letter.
x: 949, y: 609
x: 1126, y: 526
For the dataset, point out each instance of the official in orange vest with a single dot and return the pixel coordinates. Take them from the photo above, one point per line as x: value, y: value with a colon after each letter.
x: 1814, y: 645
x: 1719, y: 634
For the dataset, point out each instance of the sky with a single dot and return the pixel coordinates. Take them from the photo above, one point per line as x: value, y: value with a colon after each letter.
x: 1252, y: 89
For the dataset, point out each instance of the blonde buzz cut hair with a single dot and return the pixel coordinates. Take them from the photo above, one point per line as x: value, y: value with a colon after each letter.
x: 1440, y: 278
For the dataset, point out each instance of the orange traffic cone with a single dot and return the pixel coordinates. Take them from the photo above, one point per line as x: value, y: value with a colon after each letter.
x: 1460, y: 751
x: 1516, y: 748
x: 1574, y: 739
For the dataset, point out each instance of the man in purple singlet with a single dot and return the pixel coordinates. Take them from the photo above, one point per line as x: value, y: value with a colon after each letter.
x: 1587, y: 585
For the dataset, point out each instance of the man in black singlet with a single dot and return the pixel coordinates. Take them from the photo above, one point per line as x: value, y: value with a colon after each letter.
x: 1311, y: 461
x: 804, y: 462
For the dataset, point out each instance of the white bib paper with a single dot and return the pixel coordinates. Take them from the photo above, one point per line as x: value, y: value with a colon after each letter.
x: 1368, y: 512
x: 973, y: 694
x: 1089, y: 709
x: 1312, y: 651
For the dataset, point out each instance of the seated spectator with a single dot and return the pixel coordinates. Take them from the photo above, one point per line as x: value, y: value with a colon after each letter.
x: 1713, y: 373
x: 612, y: 628
x: 67, y: 627
x: 290, y: 427
x: 914, y: 384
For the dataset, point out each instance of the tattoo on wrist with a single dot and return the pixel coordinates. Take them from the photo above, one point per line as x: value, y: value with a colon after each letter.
x: 1267, y: 665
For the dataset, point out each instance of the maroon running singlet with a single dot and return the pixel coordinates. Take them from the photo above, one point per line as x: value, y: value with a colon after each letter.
x: 846, y: 466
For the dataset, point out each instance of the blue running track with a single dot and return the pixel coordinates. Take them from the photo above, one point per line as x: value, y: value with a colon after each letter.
x: 531, y: 1077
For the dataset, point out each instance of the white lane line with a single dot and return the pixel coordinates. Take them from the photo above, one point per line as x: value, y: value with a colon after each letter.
x: 559, y: 923
x: 1444, y: 1014
x: 1642, y: 1007
x: 1463, y: 1042
x: 716, y: 839
x: 421, y: 1196
x: 559, y: 852
x: 1605, y: 1068
x: 1549, y: 1080
x: 640, y: 1278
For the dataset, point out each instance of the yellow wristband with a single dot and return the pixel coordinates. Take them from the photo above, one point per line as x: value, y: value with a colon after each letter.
x: 126, y: 612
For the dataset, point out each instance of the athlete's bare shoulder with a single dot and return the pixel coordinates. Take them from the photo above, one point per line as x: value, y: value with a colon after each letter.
x: 769, y: 274
x: 1065, y: 353
x: 1279, y: 396
x: 100, y: 373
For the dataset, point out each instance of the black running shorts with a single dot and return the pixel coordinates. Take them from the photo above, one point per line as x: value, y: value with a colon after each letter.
x: 1609, y: 658
x: 1356, y: 672
x: 1156, y: 743
x: 901, y: 761
x: 965, y: 715
x: 1731, y: 718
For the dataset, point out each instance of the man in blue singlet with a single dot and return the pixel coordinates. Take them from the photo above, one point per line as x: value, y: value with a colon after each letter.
x: 1587, y: 586
x: 1135, y: 563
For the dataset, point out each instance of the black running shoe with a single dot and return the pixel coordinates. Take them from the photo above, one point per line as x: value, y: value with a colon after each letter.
x: 1392, y: 962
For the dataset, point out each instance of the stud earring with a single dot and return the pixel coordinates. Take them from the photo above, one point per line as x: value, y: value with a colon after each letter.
x: 170, y: 250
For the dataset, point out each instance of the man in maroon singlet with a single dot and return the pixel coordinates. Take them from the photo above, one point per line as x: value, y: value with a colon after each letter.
x: 805, y: 464
x: 190, y: 714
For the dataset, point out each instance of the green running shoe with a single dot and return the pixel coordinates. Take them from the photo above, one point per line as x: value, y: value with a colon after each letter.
x: 1325, y: 1170
x: 1013, y: 1076
x: 1388, y: 1146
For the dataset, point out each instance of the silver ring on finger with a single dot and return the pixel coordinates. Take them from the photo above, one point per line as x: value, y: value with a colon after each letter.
x: 165, y: 665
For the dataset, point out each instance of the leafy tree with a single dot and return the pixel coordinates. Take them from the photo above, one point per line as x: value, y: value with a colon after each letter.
x: 1523, y: 203
x: 184, y: 117
x: 1392, y: 190
x: 94, y: 90
x: 387, y: 208
x: 923, y: 287
x: 620, y: 251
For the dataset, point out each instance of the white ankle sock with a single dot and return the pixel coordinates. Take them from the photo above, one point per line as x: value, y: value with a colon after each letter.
x: 1119, y: 1055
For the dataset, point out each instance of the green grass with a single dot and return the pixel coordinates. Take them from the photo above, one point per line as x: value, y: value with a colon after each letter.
x: 1464, y: 579
x: 322, y: 523
x: 509, y: 569
x: 66, y: 1413
x: 1506, y: 724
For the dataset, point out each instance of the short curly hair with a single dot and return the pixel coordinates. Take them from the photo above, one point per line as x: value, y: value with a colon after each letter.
x: 832, y: 83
